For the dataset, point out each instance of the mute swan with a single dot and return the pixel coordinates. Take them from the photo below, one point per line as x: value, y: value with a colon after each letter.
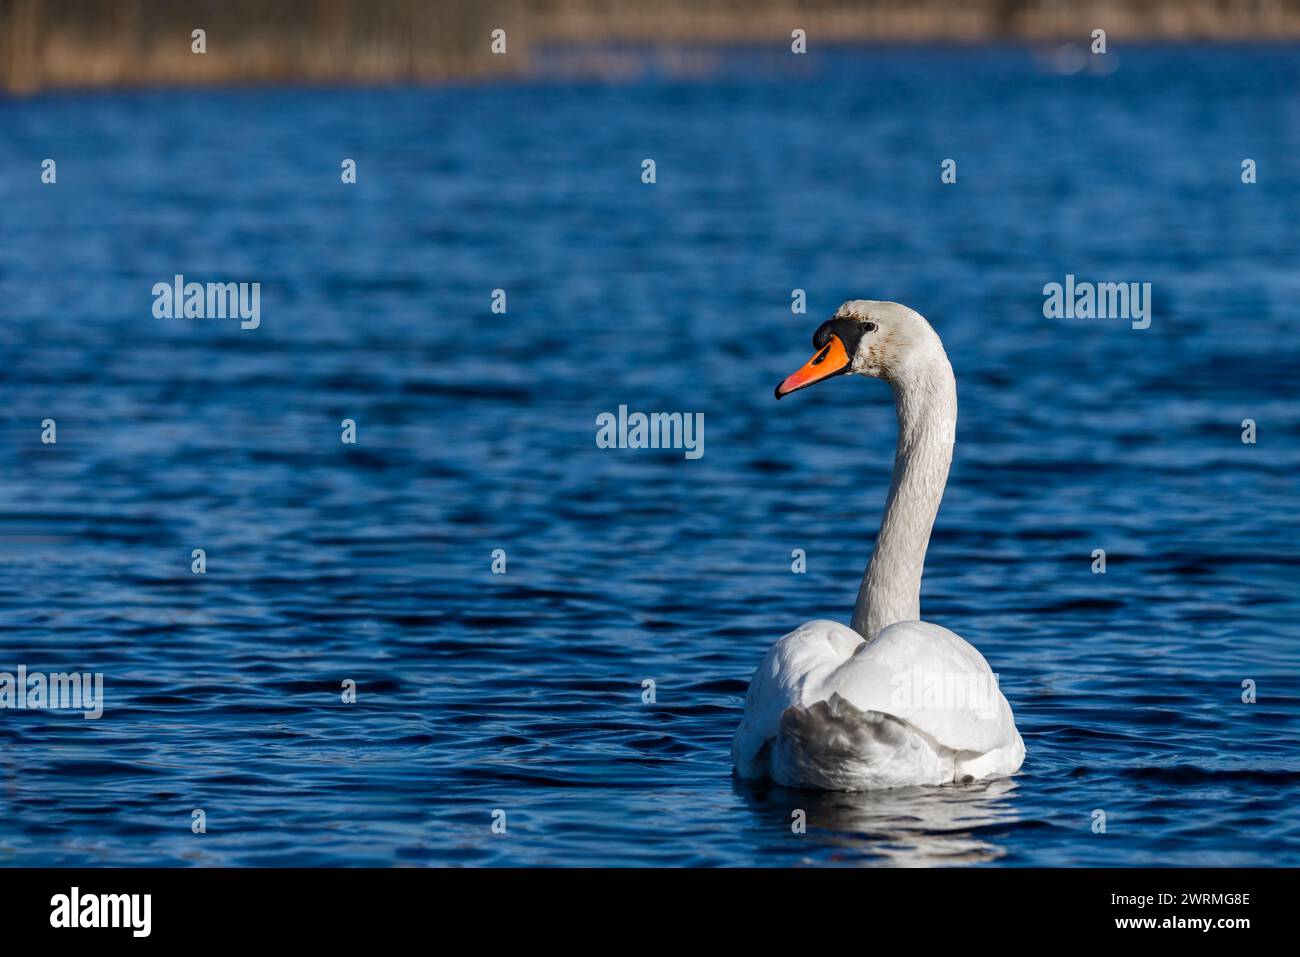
x: 893, y: 701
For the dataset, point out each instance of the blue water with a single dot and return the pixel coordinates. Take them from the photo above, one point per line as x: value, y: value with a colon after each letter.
x: 523, y: 692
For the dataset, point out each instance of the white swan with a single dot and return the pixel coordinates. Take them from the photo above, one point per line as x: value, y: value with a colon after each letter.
x: 894, y: 701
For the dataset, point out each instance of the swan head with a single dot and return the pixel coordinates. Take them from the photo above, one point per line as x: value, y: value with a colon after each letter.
x: 883, y: 340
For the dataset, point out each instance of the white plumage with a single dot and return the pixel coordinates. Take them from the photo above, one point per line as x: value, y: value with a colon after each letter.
x: 913, y: 703
x: 916, y: 705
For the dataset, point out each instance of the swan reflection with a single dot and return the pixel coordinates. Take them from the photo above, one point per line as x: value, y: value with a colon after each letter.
x: 905, y: 827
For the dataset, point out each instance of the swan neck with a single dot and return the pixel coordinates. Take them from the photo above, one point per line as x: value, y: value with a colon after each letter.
x: 925, y: 400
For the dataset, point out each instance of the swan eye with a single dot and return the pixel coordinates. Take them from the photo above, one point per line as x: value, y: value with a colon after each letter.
x: 869, y: 326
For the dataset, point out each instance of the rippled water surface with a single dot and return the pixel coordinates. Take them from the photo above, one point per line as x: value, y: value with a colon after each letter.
x: 523, y: 692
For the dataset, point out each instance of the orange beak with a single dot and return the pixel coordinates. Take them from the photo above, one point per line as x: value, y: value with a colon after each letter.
x: 830, y: 360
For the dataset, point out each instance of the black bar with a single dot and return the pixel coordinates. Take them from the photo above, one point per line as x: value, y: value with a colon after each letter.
x: 296, y: 906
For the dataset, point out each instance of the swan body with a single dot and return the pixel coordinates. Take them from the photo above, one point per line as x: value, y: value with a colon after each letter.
x: 830, y: 710
x: 892, y: 701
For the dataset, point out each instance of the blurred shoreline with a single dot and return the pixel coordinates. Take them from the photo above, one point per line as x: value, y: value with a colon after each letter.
x: 62, y: 44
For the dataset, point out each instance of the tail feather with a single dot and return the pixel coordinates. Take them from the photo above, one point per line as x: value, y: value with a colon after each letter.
x: 836, y: 746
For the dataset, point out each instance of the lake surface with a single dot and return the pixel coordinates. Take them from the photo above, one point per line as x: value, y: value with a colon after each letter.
x: 523, y: 692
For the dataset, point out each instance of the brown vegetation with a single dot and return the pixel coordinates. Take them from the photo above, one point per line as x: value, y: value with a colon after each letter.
x: 92, y: 43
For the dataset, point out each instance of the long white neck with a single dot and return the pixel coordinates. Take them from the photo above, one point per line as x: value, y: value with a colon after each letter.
x: 925, y: 398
